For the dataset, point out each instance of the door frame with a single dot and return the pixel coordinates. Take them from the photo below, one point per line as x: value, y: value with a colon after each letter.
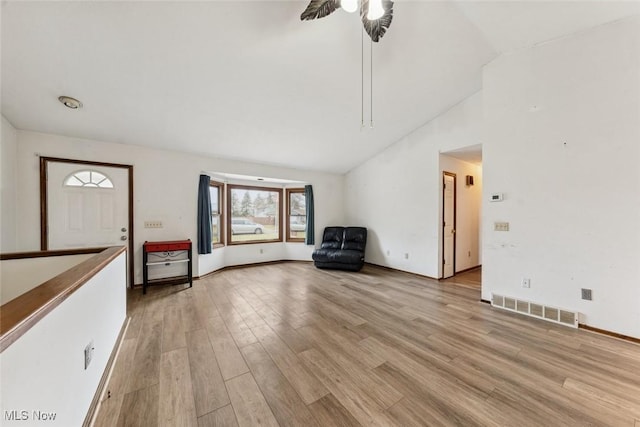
x: 455, y: 218
x: 44, y: 219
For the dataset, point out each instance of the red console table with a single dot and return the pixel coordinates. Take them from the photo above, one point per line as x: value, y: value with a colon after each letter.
x: 166, y: 253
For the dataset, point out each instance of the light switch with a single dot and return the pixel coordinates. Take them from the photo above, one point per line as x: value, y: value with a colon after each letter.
x: 501, y: 226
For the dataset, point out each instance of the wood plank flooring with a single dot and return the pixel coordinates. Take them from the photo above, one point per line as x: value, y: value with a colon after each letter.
x: 290, y: 345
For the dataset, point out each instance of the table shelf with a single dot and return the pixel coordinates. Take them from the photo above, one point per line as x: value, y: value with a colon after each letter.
x: 168, y: 262
x: 167, y: 252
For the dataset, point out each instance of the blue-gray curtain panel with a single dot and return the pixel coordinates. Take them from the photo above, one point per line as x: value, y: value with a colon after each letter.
x: 204, y: 215
x: 308, y: 194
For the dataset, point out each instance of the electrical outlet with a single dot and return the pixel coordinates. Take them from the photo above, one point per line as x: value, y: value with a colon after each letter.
x: 261, y: 250
x: 526, y: 283
x: 406, y: 255
x: 388, y: 252
x: 153, y: 224
x: 88, y: 354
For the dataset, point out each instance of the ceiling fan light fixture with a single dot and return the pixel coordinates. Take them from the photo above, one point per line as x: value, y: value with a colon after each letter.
x: 349, y: 5
x: 70, y: 102
x: 375, y: 10
x: 375, y: 18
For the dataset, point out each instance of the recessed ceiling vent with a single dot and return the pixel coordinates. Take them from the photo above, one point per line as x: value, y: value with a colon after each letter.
x: 69, y: 102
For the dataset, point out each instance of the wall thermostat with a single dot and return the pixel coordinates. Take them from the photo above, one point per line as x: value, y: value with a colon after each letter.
x: 496, y: 197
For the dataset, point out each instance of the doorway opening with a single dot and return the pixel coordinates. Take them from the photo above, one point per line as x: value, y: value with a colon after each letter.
x: 93, y: 206
x: 460, y: 214
x: 449, y: 181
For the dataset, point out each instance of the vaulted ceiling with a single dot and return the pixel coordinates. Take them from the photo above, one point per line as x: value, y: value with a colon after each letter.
x: 248, y: 80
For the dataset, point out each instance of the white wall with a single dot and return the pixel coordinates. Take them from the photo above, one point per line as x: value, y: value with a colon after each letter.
x: 468, y: 211
x: 18, y: 276
x: 563, y: 145
x: 165, y: 189
x: 573, y: 208
x: 397, y: 194
x: 44, y: 369
x: 8, y: 178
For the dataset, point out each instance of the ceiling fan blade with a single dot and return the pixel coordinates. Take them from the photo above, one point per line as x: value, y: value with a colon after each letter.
x: 319, y: 9
x: 377, y: 28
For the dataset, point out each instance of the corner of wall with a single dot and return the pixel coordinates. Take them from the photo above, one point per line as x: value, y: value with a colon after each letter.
x: 8, y: 184
x: 561, y: 145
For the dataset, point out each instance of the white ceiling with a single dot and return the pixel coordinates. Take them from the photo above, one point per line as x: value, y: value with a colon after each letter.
x: 248, y: 80
x: 470, y: 154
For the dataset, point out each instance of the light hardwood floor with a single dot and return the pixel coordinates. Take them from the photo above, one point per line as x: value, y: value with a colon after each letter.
x: 290, y: 345
x: 470, y: 278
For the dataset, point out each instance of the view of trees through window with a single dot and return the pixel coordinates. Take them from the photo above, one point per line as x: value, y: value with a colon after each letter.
x: 215, y: 191
x: 255, y: 214
x: 296, y: 218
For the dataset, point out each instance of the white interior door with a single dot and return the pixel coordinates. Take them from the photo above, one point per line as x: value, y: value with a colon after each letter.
x: 87, y: 206
x: 448, y: 225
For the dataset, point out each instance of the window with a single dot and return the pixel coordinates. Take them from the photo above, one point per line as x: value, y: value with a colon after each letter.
x: 254, y: 214
x: 217, y: 216
x: 88, y: 178
x: 296, y: 215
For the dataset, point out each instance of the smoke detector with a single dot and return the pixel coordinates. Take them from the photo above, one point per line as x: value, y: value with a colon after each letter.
x: 69, y: 102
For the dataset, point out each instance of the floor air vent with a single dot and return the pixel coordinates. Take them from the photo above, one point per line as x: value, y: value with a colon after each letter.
x: 545, y: 312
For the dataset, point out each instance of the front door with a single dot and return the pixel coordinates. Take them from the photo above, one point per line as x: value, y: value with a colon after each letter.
x: 448, y: 225
x: 87, y: 206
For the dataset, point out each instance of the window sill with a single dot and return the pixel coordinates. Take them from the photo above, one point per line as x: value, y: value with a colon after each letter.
x: 253, y: 242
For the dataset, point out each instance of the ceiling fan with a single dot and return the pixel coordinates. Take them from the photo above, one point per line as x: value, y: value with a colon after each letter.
x: 376, y: 15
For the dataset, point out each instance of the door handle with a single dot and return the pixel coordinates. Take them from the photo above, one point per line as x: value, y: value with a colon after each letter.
x: 124, y: 230
x: 123, y: 237
x: 453, y: 231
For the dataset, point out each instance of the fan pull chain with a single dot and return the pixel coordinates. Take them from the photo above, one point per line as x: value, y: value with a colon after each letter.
x: 371, y: 90
x: 362, y: 79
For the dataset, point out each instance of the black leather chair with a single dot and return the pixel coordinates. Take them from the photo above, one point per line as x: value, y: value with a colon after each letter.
x: 342, y: 248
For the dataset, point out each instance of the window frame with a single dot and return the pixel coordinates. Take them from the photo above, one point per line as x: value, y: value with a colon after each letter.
x: 288, y: 237
x: 221, y: 215
x: 90, y: 183
x: 279, y: 209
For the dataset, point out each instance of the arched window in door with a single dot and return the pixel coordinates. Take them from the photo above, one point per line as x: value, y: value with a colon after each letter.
x: 88, y: 178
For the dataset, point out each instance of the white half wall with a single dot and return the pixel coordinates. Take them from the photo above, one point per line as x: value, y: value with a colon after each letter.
x: 397, y: 194
x: 8, y: 185
x: 166, y: 189
x: 18, y: 276
x: 563, y: 145
x: 43, y: 370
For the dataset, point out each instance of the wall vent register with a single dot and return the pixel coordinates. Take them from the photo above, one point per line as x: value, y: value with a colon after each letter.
x: 528, y: 308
